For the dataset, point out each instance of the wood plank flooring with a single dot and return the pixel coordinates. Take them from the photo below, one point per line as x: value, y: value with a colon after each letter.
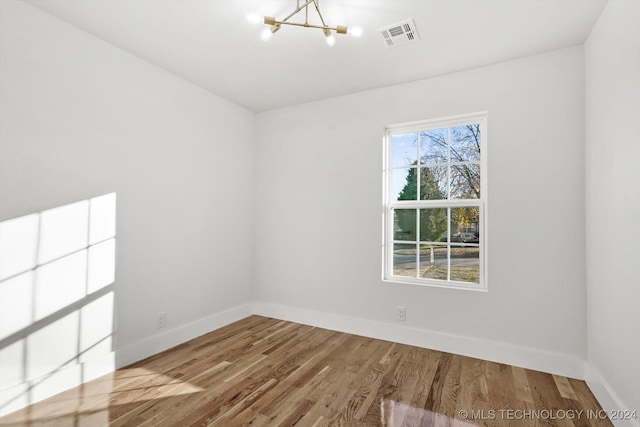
x: 266, y: 372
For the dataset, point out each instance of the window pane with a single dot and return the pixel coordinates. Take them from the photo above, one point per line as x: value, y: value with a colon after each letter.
x: 433, y: 146
x: 404, y: 260
x: 433, y: 183
x: 404, y: 149
x: 404, y: 224
x: 433, y: 225
x: 465, y: 143
x: 465, y: 264
x: 465, y: 181
x: 433, y: 262
x: 403, y: 184
x: 464, y: 225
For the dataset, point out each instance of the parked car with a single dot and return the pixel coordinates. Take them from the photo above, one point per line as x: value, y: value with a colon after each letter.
x: 463, y: 238
x: 468, y: 238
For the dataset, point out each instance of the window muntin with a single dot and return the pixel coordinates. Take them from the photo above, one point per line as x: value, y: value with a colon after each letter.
x: 434, y: 202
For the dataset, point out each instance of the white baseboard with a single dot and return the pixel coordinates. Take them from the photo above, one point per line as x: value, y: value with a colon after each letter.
x: 526, y: 357
x: 607, y: 398
x: 173, y: 337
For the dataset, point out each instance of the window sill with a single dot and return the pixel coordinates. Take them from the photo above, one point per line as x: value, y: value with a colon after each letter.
x: 436, y: 284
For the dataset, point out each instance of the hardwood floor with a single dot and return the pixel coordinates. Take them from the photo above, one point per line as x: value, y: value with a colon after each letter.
x: 261, y: 371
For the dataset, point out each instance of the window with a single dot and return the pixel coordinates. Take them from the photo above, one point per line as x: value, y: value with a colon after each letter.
x: 435, y: 197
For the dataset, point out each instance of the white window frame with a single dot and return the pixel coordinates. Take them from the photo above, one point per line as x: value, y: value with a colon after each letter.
x: 388, y: 216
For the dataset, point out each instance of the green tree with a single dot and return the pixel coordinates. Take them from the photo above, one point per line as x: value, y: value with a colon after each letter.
x: 433, y: 222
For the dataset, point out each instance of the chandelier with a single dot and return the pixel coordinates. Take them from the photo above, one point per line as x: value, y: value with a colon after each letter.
x: 275, y: 25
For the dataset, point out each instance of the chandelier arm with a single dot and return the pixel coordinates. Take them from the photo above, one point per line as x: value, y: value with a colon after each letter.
x: 297, y: 24
x: 315, y: 3
x: 298, y: 9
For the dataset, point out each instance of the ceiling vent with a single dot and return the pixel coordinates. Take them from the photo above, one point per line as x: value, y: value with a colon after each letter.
x: 401, y: 33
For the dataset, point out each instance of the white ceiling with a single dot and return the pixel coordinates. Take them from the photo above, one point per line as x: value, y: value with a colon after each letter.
x: 210, y: 42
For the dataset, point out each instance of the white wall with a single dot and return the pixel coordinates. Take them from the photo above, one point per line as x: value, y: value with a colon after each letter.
x: 81, y: 118
x: 613, y: 204
x: 319, y: 199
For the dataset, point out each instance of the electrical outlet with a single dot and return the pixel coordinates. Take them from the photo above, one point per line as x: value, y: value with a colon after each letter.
x: 161, y: 320
x: 401, y: 313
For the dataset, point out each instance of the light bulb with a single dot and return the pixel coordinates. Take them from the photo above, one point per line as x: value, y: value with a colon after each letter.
x: 253, y: 18
x: 331, y: 40
x: 266, y: 34
x: 355, y: 31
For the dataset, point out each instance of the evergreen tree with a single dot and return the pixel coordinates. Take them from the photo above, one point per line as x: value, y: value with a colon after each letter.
x: 433, y: 222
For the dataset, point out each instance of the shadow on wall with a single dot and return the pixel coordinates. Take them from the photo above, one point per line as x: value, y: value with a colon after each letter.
x: 57, y: 269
